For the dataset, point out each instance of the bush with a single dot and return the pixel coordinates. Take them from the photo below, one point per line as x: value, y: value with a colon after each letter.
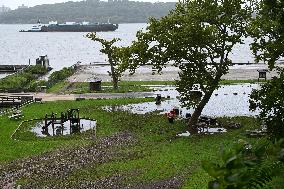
x: 246, y: 166
x: 61, y: 75
x: 270, y: 101
x: 33, y: 87
x: 22, y: 80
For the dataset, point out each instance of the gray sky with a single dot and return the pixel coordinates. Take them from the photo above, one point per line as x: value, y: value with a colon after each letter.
x: 15, y: 3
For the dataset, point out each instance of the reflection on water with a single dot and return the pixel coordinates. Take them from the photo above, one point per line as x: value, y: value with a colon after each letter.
x: 65, y: 129
x: 228, y: 100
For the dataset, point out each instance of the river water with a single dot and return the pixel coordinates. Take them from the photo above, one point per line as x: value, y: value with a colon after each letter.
x: 65, y: 49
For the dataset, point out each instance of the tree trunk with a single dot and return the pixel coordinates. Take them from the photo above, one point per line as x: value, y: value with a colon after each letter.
x: 197, y: 112
x: 115, y: 82
x: 113, y: 74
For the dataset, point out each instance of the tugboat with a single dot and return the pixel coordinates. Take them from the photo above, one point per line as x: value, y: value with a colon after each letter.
x: 73, y: 27
x: 35, y: 28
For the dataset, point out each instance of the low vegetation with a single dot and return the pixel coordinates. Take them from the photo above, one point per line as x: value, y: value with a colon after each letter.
x: 65, y: 87
x: 26, y: 80
x: 61, y: 75
x: 124, y: 86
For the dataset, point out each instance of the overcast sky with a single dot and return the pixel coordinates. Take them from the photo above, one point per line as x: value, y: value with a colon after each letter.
x: 15, y: 3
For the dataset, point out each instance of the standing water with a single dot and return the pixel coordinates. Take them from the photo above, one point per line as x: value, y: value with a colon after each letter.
x: 228, y: 100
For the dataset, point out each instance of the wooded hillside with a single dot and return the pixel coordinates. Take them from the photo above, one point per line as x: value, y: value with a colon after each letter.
x: 91, y: 10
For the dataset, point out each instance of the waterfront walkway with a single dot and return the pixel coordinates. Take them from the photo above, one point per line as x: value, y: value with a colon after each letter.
x: 237, y: 72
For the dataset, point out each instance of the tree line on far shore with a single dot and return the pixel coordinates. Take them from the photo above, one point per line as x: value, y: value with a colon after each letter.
x: 91, y: 11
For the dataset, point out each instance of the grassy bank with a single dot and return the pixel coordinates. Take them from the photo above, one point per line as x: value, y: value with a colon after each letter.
x: 124, y: 86
x: 154, y: 156
x: 25, y: 80
x: 232, y: 82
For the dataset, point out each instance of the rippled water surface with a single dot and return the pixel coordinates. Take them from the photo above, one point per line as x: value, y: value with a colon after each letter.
x: 65, y: 49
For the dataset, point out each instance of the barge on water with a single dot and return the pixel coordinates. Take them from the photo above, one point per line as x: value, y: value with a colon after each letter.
x: 11, y: 68
x: 73, y: 27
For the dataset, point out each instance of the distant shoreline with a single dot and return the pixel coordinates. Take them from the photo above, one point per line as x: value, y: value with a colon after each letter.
x: 117, y: 12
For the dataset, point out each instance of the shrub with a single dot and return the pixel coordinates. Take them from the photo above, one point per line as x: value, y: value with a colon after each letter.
x: 270, y: 101
x: 61, y: 75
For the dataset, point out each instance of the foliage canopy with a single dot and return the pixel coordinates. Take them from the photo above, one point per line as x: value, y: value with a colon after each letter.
x: 197, y: 37
x: 23, y: 80
x: 270, y: 101
x: 267, y: 30
x: 115, y: 56
x: 248, y: 166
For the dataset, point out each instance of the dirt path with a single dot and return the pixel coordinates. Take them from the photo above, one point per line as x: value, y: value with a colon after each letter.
x: 59, y: 165
x: 56, y: 169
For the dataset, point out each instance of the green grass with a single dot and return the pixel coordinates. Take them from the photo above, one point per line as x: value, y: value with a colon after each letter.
x: 57, y: 87
x: 11, y: 149
x: 230, y: 82
x: 158, y: 154
x: 124, y: 86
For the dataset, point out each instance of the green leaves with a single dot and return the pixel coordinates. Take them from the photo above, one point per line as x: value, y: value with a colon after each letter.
x: 212, y: 169
x: 116, y: 56
x: 267, y: 29
x: 197, y: 37
x: 60, y: 75
x: 240, y: 169
x: 22, y: 80
x: 270, y: 101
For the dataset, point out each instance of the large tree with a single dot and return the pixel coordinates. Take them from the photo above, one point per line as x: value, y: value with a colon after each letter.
x: 267, y: 29
x: 198, y: 37
x: 115, y: 55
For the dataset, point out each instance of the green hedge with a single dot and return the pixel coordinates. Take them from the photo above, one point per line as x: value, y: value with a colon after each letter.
x: 22, y: 81
x: 61, y: 75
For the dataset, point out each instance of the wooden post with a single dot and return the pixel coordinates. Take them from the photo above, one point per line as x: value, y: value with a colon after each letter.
x: 52, y: 121
x: 45, y: 121
x: 79, y: 121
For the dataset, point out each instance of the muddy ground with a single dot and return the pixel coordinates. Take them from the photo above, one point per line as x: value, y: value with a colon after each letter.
x: 53, y: 169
